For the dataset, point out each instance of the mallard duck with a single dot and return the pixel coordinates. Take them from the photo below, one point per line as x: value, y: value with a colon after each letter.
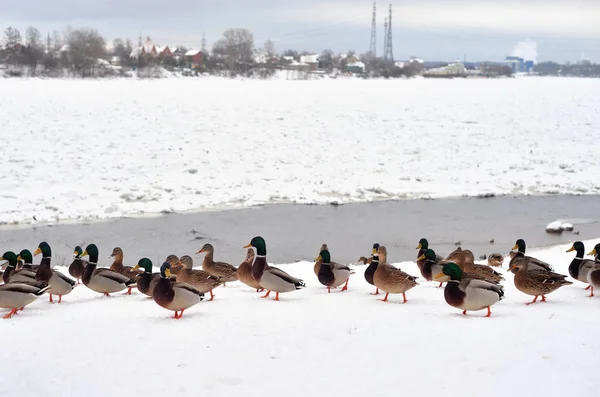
x: 270, y: 277
x: 317, y: 265
x: 199, y: 279
x: 176, y: 265
x: 127, y: 271
x: 15, y: 296
x: 518, y: 253
x: 460, y: 257
x: 433, y: 265
x: 495, y: 260
x: 147, y: 280
x: 332, y: 274
x: 224, y: 270
x: 175, y: 296
x: 373, y: 262
x: 26, y: 258
x: 102, y: 280
x: 593, y: 276
x: 59, y: 283
x: 422, y: 247
x: 536, y: 282
x: 481, y: 272
x: 390, y: 279
x: 12, y: 276
x: 78, y: 265
x: 244, y: 271
x: 469, y: 294
x: 580, y: 267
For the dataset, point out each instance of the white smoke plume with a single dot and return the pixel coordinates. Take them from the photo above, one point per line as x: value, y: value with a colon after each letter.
x: 526, y: 49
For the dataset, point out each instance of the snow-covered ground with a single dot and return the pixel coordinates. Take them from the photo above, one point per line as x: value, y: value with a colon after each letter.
x: 310, y: 343
x: 77, y: 149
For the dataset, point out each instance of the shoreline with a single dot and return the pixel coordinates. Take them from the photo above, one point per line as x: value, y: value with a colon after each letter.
x: 295, y: 232
x: 154, y: 215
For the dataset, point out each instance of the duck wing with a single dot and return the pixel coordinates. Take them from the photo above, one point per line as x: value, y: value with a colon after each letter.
x: 283, y: 275
x: 187, y: 287
x: 473, y: 284
x: 112, y: 275
x: 26, y: 288
x: 536, y: 263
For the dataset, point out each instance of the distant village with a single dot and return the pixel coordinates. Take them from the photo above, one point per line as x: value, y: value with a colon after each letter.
x: 85, y: 53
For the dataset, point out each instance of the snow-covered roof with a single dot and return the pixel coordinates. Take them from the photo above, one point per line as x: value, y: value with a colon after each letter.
x: 191, y: 53
x: 136, y: 52
x: 309, y: 58
x: 357, y: 64
x: 288, y: 58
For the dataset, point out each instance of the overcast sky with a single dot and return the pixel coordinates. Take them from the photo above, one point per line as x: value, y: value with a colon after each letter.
x: 431, y: 29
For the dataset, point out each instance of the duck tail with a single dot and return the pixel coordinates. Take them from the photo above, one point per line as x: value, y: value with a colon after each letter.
x: 300, y: 284
x: 130, y: 282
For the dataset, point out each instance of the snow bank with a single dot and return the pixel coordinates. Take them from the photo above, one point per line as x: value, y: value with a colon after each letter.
x: 240, y: 344
x: 100, y: 149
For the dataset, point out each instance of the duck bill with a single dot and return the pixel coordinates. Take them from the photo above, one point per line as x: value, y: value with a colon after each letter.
x: 419, y: 246
x: 245, y: 246
x: 37, y: 251
x: 571, y: 249
x: 18, y: 258
x: 593, y: 252
x: 318, y: 258
x: 439, y: 275
x: 516, y: 247
x: 136, y: 267
x: 373, y: 251
x: 84, y: 253
x: 510, y: 268
x: 168, y: 273
x: 421, y: 258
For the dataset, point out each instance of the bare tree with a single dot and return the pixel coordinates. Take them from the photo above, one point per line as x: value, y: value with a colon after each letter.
x: 269, y: 48
x: 12, y: 37
x: 326, y: 60
x: 86, y: 46
x: 237, y: 46
x: 33, y: 37
x: 57, y: 40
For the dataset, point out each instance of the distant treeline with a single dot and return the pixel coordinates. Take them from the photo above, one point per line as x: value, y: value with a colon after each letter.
x: 83, y: 52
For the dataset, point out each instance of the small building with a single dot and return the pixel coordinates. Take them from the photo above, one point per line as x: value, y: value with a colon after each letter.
x: 356, y: 67
x: 163, y: 51
x: 454, y: 69
x: 519, y: 65
x: 311, y: 60
x: 195, y: 58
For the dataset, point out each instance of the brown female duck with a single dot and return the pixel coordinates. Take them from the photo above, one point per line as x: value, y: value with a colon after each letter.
x: 223, y: 270
x: 244, y: 271
x: 390, y: 279
x: 534, y: 281
x: 127, y: 271
x: 199, y: 279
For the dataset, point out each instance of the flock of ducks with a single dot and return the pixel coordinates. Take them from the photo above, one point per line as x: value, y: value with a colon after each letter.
x: 178, y: 286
